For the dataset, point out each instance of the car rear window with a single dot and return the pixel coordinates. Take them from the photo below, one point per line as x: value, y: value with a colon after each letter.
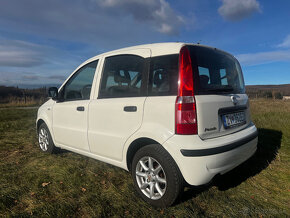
x: 215, y: 71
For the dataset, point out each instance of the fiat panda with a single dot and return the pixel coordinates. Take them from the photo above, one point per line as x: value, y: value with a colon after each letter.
x: 172, y: 114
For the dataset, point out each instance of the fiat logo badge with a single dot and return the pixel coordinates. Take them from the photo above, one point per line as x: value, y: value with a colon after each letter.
x: 234, y: 100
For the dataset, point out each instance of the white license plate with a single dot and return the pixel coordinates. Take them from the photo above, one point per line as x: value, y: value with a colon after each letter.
x: 234, y: 119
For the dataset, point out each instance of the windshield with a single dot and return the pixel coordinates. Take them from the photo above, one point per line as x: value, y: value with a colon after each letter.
x: 215, y: 71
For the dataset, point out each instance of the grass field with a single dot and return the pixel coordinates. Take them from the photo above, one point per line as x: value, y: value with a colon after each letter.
x: 68, y: 184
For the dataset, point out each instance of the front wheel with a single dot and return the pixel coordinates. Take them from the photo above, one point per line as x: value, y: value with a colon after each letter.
x: 156, y: 176
x: 45, y: 140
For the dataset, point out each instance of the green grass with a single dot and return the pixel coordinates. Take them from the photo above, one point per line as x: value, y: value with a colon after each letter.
x: 81, y: 186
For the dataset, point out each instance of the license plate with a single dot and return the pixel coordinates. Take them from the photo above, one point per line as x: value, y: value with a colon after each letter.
x: 234, y: 119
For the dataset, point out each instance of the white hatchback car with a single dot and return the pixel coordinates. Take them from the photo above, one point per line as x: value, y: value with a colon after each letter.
x: 171, y: 113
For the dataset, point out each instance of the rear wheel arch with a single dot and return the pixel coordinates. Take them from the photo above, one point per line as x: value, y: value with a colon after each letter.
x: 135, y: 146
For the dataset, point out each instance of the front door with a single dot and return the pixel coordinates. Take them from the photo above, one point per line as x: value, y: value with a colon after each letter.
x: 70, y: 114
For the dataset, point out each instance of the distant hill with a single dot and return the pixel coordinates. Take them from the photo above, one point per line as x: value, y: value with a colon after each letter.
x: 268, y: 91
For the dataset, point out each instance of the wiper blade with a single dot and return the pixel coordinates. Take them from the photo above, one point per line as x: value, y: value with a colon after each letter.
x: 219, y: 89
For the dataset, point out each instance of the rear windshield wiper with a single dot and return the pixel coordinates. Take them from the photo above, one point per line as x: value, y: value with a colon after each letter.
x: 219, y: 89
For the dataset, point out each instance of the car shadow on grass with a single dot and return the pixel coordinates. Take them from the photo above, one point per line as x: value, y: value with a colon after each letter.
x: 268, y: 145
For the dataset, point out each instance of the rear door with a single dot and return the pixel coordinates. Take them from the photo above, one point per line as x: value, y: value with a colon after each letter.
x: 117, y: 111
x: 222, y: 105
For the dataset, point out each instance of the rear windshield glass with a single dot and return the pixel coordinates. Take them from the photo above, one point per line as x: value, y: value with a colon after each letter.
x: 215, y: 71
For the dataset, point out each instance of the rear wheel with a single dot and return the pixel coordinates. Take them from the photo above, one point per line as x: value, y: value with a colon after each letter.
x: 156, y: 176
x: 45, y: 140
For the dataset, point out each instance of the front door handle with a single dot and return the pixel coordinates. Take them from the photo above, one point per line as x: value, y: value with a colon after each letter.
x: 80, y: 108
x: 130, y: 108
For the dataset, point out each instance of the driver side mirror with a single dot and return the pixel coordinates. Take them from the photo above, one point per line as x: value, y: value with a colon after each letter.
x: 53, y: 93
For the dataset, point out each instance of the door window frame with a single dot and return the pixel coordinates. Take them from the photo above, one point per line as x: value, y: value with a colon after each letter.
x: 144, y: 82
x: 62, y: 89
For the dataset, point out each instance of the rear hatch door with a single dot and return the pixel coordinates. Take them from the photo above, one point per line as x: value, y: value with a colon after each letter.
x: 221, y: 103
x: 217, y: 115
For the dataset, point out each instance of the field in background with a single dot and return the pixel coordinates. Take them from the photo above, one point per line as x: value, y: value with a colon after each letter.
x: 17, y: 97
x: 68, y: 184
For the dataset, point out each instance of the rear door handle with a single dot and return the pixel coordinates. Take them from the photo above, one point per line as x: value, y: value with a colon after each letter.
x: 130, y: 108
x: 80, y: 108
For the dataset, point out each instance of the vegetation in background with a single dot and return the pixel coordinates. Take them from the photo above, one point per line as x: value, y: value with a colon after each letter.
x: 68, y: 184
x: 268, y: 91
x: 14, y: 96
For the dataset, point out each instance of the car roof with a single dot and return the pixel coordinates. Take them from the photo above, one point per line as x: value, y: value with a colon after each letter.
x: 157, y: 49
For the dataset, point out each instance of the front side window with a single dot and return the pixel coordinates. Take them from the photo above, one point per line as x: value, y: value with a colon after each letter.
x: 79, y: 85
x: 122, y: 76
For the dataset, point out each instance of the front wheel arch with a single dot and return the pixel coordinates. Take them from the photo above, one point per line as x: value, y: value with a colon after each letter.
x: 39, y: 122
x: 50, y: 146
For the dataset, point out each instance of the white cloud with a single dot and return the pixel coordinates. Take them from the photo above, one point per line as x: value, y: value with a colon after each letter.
x: 67, y: 32
x: 29, y: 78
x: 156, y: 12
x: 285, y: 43
x: 16, y: 53
x: 23, y: 62
x: 264, y: 57
x: 101, y: 23
x: 235, y: 10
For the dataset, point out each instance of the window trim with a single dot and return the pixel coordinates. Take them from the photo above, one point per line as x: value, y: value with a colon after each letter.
x: 144, y: 83
x: 73, y: 75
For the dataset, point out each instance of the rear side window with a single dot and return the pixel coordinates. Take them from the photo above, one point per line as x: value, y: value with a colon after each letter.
x: 122, y: 76
x: 215, y: 71
x: 163, y: 77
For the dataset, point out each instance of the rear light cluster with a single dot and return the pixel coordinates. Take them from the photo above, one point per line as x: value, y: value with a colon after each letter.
x: 185, y: 108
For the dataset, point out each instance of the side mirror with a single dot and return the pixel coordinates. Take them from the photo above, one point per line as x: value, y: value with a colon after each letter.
x: 53, y: 93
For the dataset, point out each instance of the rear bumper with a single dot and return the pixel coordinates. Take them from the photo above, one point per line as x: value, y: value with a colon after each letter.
x: 200, y: 160
x: 218, y: 150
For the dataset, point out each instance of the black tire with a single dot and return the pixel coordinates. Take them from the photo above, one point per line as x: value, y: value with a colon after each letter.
x: 170, y: 173
x: 49, y: 146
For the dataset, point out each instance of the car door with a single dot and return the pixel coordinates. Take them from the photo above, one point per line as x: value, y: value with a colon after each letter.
x: 117, y: 112
x: 70, y: 113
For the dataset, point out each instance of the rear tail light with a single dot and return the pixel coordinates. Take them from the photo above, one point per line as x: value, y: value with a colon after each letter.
x: 185, y: 108
x: 185, y: 116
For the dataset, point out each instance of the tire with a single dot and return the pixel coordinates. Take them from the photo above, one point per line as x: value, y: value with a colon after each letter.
x: 45, y: 140
x: 159, y: 183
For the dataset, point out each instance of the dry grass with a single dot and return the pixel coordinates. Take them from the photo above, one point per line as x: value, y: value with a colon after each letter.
x: 68, y: 184
x: 21, y: 102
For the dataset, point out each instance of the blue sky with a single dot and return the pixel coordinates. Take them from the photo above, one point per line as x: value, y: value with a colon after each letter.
x: 43, y: 41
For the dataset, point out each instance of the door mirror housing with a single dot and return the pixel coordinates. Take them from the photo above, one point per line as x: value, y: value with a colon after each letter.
x: 53, y: 93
